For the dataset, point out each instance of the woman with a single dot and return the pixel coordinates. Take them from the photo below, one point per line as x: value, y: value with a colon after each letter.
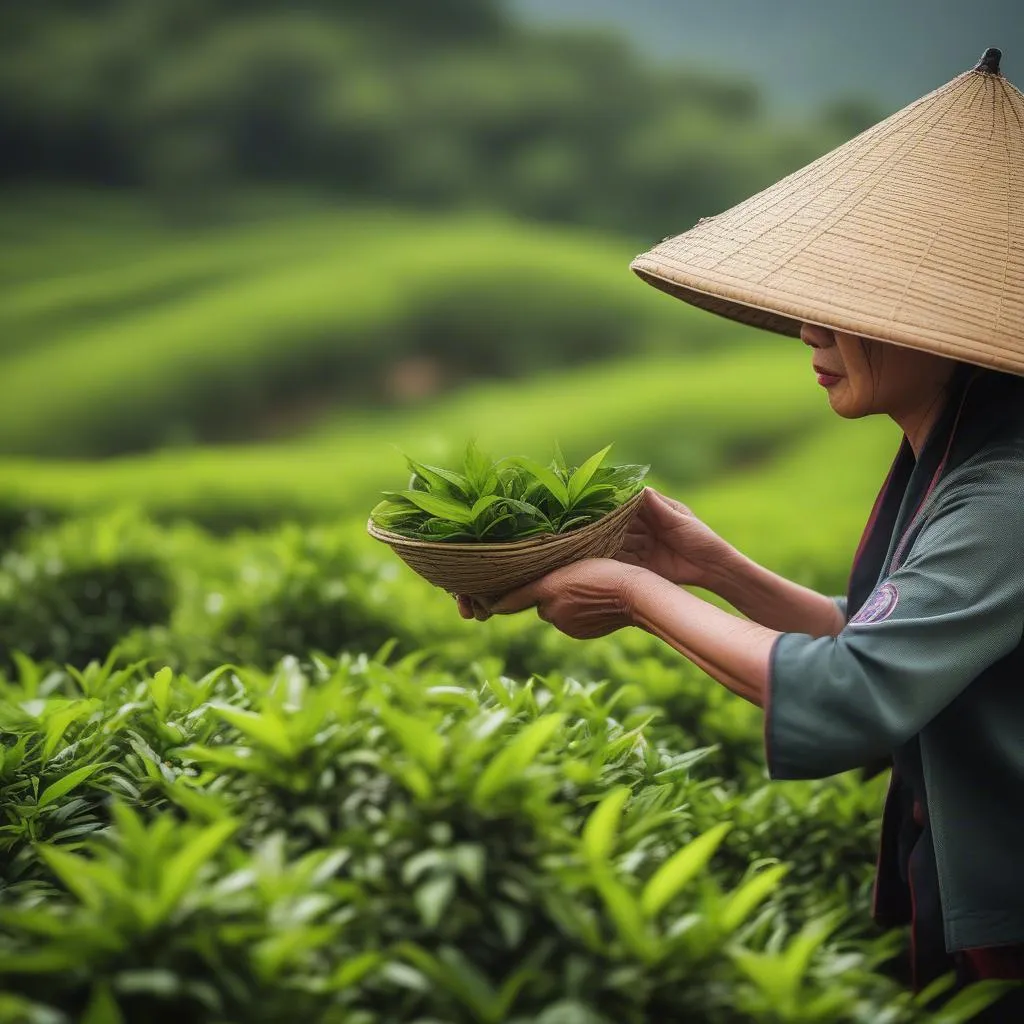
x: 899, y: 260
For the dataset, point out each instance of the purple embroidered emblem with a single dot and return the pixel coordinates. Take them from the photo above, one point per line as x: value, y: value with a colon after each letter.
x: 878, y: 606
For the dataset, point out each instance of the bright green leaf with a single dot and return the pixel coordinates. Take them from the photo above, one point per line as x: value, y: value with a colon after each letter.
x: 508, y: 764
x: 443, y: 508
x: 265, y: 728
x: 599, y: 831
x: 548, y: 478
x: 680, y: 868
x: 181, y: 869
x: 581, y: 478
x: 67, y: 783
x: 432, y: 899
x: 417, y: 737
x: 102, y: 1008
x: 627, y: 914
x: 160, y: 689
x: 741, y: 902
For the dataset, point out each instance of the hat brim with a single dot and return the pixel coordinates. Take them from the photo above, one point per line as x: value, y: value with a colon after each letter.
x: 911, y: 233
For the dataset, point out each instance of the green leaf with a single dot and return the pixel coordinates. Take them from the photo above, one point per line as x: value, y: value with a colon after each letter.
x: 69, y: 782
x: 558, y: 460
x: 627, y: 915
x: 763, y: 970
x: 801, y: 948
x: 443, y: 508
x: 460, y: 977
x: 102, y: 1008
x: 30, y: 674
x: 508, y: 764
x: 53, y: 960
x: 483, y: 504
x: 432, y: 899
x: 265, y: 728
x: 680, y: 868
x: 417, y: 737
x: 967, y: 1004
x: 599, y: 831
x: 160, y: 690
x: 351, y: 972
x: 89, y: 881
x: 441, y: 482
x: 415, y: 779
x: 58, y: 723
x: 581, y: 478
x: 742, y: 901
x: 574, y: 523
x: 941, y: 984
x: 182, y: 868
x: 479, y: 468
x: 547, y: 478
x: 495, y: 527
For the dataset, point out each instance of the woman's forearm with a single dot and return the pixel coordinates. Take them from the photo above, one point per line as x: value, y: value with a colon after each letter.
x: 773, y: 601
x: 727, y: 648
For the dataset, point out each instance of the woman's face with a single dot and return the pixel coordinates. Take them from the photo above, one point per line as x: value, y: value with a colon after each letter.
x: 864, y: 377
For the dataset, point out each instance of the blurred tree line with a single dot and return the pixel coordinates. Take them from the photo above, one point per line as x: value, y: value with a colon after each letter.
x: 451, y: 102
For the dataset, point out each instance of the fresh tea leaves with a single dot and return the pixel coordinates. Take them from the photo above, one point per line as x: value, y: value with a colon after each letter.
x: 506, y: 500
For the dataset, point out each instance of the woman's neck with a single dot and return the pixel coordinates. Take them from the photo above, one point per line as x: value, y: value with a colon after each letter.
x: 917, y: 423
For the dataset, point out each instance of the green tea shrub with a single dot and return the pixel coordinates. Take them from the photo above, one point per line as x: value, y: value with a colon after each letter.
x: 311, y: 608
x: 258, y: 598
x: 364, y: 842
x: 71, y: 594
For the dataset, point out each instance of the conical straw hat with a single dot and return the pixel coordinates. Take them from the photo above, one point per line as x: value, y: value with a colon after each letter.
x: 912, y: 232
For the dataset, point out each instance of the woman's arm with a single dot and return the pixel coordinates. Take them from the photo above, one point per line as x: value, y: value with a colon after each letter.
x: 772, y: 600
x: 666, y: 538
x: 733, y: 652
x: 598, y: 595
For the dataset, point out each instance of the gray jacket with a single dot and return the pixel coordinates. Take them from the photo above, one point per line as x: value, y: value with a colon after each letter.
x: 930, y: 665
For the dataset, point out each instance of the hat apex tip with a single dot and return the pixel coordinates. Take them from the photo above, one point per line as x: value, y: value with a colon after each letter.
x: 989, y: 62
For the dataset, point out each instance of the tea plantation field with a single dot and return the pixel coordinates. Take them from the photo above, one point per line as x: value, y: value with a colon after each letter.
x: 252, y: 769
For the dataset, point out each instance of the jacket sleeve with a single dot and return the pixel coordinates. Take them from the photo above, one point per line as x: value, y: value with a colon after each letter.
x: 955, y: 607
x: 840, y: 603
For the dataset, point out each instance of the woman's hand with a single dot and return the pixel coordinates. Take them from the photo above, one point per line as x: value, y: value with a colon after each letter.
x: 665, y: 537
x: 584, y: 600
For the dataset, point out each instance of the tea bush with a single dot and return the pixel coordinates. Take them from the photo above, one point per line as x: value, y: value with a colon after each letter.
x: 358, y: 841
x: 72, y: 594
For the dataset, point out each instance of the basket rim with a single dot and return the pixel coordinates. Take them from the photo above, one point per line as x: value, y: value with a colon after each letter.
x: 469, y: 547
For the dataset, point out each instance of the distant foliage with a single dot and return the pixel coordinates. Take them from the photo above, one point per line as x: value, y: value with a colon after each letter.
x: 438, y: 104
x: 118, y: 337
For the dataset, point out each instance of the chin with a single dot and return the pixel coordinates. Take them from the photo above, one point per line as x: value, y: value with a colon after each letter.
x: 842, y: 406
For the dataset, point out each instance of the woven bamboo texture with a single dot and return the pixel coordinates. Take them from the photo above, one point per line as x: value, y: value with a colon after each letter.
x: 912, y: 233
x: 489, y: 570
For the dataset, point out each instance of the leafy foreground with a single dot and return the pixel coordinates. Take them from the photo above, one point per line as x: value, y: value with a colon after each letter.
x: 506, y: 500
x: 348, y: 840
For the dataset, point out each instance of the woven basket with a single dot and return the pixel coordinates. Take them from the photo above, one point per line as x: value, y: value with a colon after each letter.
x: 489, y: 570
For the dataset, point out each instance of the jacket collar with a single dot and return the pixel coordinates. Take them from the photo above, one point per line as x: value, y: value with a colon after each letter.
x: 981, y: 406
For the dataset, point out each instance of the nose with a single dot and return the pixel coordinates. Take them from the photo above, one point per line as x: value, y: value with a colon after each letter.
x: 815, y: 336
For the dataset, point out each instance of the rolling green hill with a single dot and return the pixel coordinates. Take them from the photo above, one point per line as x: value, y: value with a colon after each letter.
x: 126, y: 333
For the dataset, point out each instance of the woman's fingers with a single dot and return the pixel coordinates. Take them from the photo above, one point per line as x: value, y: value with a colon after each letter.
x: 471, y: 608
x: 662, y: 507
